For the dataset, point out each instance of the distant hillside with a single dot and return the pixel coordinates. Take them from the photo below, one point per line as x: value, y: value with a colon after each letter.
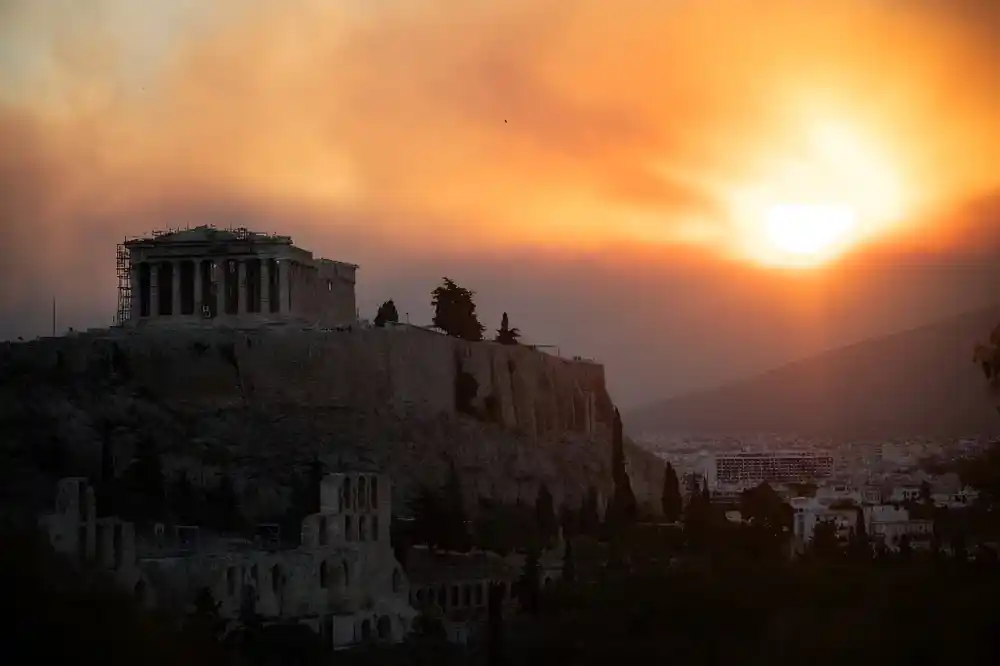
x: 921, y: 381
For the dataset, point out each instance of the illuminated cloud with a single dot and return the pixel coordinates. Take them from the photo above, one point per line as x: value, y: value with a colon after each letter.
x: 404, y: 131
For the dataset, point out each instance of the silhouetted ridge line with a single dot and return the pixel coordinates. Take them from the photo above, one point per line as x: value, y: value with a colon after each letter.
x: 919, y: 381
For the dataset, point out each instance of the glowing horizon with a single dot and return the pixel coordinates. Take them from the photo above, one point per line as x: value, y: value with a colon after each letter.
x: 474, y: 127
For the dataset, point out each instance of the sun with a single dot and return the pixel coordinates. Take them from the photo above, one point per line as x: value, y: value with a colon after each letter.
x: 820, y: 196
x: 809, y: 232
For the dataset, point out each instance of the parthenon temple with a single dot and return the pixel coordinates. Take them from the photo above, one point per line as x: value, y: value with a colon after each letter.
x: 230, y: 276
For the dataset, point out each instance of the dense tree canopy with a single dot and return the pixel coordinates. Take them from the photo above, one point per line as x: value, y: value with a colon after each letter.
x: 455, y: 311
x: 387, y: 314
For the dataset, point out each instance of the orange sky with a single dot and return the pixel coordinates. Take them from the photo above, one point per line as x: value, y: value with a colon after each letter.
x: 406, y: 130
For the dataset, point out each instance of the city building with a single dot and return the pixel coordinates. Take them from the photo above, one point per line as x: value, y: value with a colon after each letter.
x: 809, y: 512
x: 230, y: 276
x: 748, y: 469
x: 887, y: 525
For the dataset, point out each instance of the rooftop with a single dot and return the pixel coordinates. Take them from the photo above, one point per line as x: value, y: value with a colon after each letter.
x: 208, y: 234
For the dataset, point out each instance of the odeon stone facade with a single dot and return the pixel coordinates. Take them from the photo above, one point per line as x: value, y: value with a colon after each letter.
x: 343, y: 580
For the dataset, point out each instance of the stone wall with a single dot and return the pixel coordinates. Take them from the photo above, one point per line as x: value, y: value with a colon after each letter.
x: 402, y: 369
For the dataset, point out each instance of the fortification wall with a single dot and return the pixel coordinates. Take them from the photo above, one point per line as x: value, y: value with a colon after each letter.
x: 260, y: 404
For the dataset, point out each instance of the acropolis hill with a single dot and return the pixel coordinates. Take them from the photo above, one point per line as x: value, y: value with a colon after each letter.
x: 264, y: 366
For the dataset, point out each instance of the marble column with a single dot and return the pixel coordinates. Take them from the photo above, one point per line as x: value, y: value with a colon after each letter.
x: 154, y: 289
x: 175, y: 272
x: 241, y: 284
x: 265, y: 286
x: 197, y: 288
x: 134, y: 295
x: 281, y: 276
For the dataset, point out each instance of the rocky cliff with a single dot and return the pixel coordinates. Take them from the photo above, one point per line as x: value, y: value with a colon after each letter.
x: 261, y: 403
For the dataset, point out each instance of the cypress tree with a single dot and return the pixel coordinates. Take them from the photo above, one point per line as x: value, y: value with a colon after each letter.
x: 671, y: 500
x: 622, y: 509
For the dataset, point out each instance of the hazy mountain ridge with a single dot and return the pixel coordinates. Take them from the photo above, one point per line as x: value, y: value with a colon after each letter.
x: 920, y: 381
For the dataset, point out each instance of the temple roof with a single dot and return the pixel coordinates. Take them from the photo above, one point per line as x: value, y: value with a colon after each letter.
x: 209, y: 234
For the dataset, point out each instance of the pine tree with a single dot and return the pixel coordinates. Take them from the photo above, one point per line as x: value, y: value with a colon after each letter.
x: 455, y: 311
x: 671, y: 500
x: 505, y: 334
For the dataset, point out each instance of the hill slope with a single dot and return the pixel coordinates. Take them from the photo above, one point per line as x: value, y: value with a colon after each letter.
x: 260, y: 405
x: 917, y: 382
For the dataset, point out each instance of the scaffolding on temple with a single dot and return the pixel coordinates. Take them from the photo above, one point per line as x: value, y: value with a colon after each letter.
x: 124, y: 272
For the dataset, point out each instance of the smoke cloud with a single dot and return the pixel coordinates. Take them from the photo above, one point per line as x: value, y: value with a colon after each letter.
x: 567, y: 158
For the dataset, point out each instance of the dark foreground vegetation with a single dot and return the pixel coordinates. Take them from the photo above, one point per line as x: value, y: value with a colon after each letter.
x: 710, y: 593
x: 736, y: 606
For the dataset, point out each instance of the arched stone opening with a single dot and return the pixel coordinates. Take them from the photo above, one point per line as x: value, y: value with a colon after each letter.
x: 366, y: 630
x: 346, y: 494
x: 276, y: 581
x: 384, y: 628
x: 397, y: 581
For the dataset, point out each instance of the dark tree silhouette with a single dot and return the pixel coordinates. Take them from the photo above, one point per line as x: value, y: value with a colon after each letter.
x: 455, y: 311
x: 387, y: 314
x: 824, y: 542
x: 622, y: 510
x: 590, y: 520
x: 225, y: 506
x: 141, y: 494
x: 670, y: 500
x: 507, y: 335
x: 529, y: 586
x: 205, y: 623
x: 569, y: 564
x: 569, y: 520
x: 764, y: 508
x: 494, y: 627
x: 184, y: 500
x: 860, y: 548
x: 427, y: 509
x: 545, y: 515
x: 455, y: 521
x: 925, y: 492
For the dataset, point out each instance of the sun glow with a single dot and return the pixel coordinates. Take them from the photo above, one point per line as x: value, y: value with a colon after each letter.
x: 809, y: 230
x: 835, y: 192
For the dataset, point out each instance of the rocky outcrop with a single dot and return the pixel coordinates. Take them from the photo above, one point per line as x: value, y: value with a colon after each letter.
x: 403, y: 400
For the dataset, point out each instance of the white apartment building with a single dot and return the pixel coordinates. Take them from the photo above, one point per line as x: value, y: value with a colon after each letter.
x: 748, y: 469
